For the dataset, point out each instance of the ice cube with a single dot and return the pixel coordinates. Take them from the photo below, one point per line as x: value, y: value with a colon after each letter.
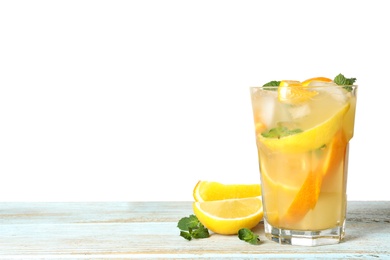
x: 321, y: 84
x: 337, y: 92
x: 268, y: 109
x: 299, y: 111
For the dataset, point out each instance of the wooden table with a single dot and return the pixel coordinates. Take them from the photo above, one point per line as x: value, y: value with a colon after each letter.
x: 145, y: 230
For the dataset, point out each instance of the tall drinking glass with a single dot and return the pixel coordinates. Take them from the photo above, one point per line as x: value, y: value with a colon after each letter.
x: 302, y: 136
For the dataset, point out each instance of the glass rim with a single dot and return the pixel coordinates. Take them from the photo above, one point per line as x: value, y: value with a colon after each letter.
x: 309, y: 87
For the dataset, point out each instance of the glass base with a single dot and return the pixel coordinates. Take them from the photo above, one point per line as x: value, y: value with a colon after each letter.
x: 305, y: 237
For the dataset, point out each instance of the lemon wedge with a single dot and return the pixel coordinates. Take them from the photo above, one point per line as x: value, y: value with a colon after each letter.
x: 227, y: 217
x: 210, y: 190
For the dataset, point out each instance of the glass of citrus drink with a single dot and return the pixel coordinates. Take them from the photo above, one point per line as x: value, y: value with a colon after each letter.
x: 302, y: 134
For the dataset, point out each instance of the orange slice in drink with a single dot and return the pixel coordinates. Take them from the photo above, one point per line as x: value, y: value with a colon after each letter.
x: 279, y: 187
x: 308, y: 194
x: 260, y: 126
x: 292, y: 92
x: 310, y: 81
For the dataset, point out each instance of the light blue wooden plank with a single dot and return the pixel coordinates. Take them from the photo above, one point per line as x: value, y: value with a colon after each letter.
x: 148, y: 230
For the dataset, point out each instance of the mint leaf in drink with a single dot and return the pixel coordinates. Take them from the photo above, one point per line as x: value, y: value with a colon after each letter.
x: 272, y: 83
x: 345, y: 82
x: 281, y: 131
x: 192, y: 228
x: 248, y: 236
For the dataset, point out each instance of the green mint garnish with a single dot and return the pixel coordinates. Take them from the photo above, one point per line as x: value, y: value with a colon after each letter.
x: 346, y: 82
x: 273, y: 83
x: 248, y: 236
x: 192, y: 228
x: 281, y: 131
x: 186, y: 235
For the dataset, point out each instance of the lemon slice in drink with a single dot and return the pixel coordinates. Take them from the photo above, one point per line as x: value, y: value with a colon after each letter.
x: 210, y: 190
x: 228, y: 216
x: 310, y: 139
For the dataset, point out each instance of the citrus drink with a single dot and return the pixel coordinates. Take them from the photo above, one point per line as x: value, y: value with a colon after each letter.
x: 302, y: 134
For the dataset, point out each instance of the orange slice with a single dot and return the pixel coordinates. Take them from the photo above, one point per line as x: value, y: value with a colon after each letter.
x: 316, y: 79
x: 292, y: 92
x: 260, y: 126
x: 279, y: 188
x: 228, y: 216
x: 210, y: 191
x: 308, y: 194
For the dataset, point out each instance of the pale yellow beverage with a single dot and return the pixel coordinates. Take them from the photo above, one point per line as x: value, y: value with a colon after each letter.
x: 302, y: 134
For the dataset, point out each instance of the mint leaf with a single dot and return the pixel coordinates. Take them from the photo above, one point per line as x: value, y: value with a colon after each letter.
x: 345, y: 82
x: 273, y: 83
x: 190, y: 227
x: 188, y: 222
x: 248, y: 236
x: 281, y: 131
x: 186, y: 235
x: 200, y: 232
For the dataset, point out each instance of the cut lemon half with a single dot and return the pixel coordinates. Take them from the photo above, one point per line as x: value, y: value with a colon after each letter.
x: 310, y: 139
x: 292, y: 92
x: 227, y: 217
x: 209, y: 191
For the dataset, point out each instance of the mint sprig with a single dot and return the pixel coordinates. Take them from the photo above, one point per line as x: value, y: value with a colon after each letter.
x: 345, y: 82
x: 248, y: 236
x: 281, y: 131
x: 190, y: 227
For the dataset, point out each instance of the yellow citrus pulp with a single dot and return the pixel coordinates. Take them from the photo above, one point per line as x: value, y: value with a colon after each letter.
x: 228, y: 216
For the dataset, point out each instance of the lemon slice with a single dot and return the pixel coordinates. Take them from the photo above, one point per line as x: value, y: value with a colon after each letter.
x: 209, y: 191
x: 227, y: 217
x: 285, y: 83
x: 310, y: 139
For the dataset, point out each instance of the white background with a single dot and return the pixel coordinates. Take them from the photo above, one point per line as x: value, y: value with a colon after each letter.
x: 138, y: 100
